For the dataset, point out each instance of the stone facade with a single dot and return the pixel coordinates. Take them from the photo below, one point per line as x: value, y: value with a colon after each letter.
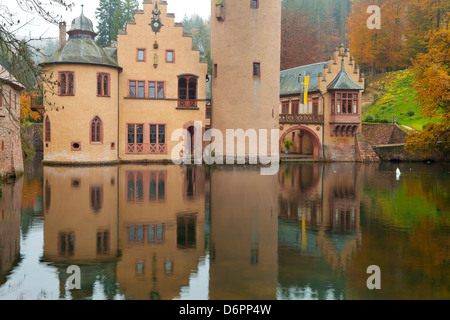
x: 11, y: 159
x: 245, y: 54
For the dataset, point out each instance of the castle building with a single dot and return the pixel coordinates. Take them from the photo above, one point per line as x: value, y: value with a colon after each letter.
x: 11, y: 159
x: 328, y: 125
x: 123, y: 103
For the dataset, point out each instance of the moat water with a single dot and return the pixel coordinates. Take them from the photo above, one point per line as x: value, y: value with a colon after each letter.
x: 226, y: 233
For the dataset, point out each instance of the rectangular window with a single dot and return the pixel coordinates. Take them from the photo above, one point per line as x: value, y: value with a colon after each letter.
x: 256, y: 69
x: 132, y: 91
x: 103, y: 84
x: 160, y: 90
x: 215, y: 71
x: 157, y: 133
x: 153, y: 133
x: 141, y: 89
x: 156, y: 90
x: 161, y: 134
x: 66, y: 244
x: 151, y: 90
x: 254, y: 4
x: 66, y: 83
x: 285, y: 107
x: 102, y: 242
x: 295, y: 107
x: 141, y: 55
x: 135, y: 133
x: 170, y: 56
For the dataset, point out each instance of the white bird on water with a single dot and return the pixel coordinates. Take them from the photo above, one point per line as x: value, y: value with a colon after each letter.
x: 398, y: 174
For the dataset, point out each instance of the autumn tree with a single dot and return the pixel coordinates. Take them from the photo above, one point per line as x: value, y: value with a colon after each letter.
x: 379, y: 49
x: 299, y: 45
x: 27, y: 99
x: 432, y: 85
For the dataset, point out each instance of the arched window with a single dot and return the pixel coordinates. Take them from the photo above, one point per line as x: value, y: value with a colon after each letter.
x: 67, y: 83
x: 187, y: 91
x: 47, y: 129
x: 96, y: 130
x: 103, y: 84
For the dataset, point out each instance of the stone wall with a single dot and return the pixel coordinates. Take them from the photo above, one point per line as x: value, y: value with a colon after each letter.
x: 383, y: 134
x: 397, y: 152
x: 11, y: 160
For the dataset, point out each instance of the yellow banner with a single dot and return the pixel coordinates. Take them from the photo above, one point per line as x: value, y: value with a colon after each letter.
x: 306, y: 88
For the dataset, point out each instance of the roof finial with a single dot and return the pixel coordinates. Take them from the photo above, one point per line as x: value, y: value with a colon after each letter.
x: 82, y: 8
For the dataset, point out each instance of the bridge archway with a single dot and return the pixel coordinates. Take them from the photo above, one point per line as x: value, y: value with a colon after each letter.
x: 306, y: 141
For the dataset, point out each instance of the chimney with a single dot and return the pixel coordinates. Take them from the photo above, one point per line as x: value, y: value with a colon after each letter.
x: 62, y: 35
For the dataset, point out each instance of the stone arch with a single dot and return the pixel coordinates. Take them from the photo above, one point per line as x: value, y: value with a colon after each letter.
x: 317, y: 146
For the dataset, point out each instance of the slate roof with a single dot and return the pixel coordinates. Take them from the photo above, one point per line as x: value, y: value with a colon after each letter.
x: 289, y: 84
x: 81, y: 47
x: 343, y: 82
x: 289, y: 78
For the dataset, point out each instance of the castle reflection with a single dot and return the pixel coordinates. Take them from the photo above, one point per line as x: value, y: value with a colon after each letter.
x: 10, y: 203
x: 139, y: 232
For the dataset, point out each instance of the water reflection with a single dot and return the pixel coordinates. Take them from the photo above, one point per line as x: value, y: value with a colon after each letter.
x: 319, y: 229
x: 170, y: 232
x: 10, y: 204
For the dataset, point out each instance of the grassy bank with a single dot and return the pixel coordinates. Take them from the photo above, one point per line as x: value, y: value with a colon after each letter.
x: 391, y: 94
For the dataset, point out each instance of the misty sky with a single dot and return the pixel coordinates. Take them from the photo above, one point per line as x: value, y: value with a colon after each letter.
x: 37, y: 27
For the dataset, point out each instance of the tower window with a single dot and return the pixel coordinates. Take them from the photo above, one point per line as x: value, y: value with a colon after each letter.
x: 66, y: 83
x: 47, y: 130
x: 96, y: 130
x: 254, y: 4
x: 256, y: 69
x: 103, y: 85
x: 215, y: 71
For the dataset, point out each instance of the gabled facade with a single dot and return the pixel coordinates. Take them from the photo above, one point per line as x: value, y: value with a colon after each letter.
x: 162, y: 86
x: 326, y: 126
x: 11, y: 159
x: 123, y: 103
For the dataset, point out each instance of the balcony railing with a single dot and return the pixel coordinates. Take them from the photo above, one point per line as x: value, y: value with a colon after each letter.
x: 187, y: 103
x: 301, y: 119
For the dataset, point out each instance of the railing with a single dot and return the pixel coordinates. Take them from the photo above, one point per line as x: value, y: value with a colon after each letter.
x: 301, y: 119
x: 187, y: 103
x: 146, y: 148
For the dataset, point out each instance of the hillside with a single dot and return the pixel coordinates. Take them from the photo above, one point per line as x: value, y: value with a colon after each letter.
x: 390, y: 94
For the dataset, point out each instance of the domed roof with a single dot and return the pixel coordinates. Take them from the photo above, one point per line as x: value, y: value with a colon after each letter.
x: 81, y: 47
x: 82, y: 25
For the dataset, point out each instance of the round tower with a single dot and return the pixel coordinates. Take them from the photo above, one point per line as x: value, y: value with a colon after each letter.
x: 81, y: 110
x: 245, y: 53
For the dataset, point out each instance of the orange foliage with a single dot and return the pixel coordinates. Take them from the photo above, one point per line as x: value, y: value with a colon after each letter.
x: 433, y: 90
x: 26, y: 100
x: 379, y: 48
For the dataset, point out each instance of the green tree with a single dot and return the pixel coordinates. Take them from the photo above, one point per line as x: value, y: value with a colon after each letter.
x: 105, y: 14
x: 124, y: 12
